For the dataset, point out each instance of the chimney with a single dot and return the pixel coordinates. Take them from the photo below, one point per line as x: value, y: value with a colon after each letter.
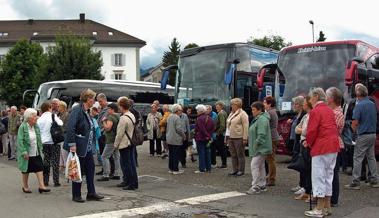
x: 30, y: 21
x: 82, y: 17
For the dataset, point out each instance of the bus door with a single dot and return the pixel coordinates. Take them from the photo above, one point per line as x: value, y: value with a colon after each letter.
x: 246, y: 89
x: 29, y: 96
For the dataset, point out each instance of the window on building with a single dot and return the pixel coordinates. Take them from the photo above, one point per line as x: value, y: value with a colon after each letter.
x: 118, y: 76
x: 118, y: 60
x: 94, y: 33
x: 35, y: 33
x: 110, y: 33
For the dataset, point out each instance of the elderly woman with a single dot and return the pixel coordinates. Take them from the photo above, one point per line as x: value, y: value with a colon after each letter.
x: 293, y: 143
x: 81, y: 139
x: 63, y: 115
x: 301, y: 129
x: 334, y: 100
x: 203, y: 134
x: 29, y: 151
x: 270, y: 104
x: 322, y: 139
x: 260, y: 145
x: 175, y: 137
x: 153, y: 133
x: 237, y: 126
x: 122, y: 142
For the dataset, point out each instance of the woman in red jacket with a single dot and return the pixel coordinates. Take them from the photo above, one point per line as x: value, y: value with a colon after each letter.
x: 322, y: 139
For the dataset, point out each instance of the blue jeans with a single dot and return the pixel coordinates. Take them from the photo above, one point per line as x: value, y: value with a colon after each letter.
x: 204, y: 156
x: 87, y: 166
x: 173, y: 157
x: 128, y: 166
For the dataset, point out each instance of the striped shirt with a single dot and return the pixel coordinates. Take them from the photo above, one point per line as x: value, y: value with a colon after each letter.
x: 340, y: 121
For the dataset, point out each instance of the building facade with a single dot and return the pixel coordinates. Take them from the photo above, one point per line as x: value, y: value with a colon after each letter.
x: 120, y: 51
x: 154, y: 75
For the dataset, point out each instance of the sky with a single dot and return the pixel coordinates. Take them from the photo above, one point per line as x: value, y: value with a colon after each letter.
x: 207, y: 22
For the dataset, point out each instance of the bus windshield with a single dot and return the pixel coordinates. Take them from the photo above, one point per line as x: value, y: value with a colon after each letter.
x: 309, y: 67
x: 203, y: 77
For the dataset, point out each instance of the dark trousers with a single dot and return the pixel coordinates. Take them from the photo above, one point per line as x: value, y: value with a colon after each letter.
x: 155, y: 141
x: 128, y: 166
x: 204, y: 156
x: 183, y: 153
x: 336, y: 181
x: 51, y: 157
x: 173, y: 157
x: 220, y: 149
x: 87, y: 166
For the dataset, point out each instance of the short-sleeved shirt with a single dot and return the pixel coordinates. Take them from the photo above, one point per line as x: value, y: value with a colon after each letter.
x: 365, y: 113
x: 111, y: 134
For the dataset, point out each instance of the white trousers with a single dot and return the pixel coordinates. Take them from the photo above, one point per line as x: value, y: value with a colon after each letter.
x: 322, y: 174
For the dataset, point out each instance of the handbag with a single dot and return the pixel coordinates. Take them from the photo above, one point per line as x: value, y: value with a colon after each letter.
x: 299, y: 162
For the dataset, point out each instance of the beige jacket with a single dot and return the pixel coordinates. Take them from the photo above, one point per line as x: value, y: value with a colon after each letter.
x: 238, y: 125
x: 121, y: 140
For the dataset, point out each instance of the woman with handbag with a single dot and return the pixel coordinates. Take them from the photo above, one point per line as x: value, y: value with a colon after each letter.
x: 29, y: 151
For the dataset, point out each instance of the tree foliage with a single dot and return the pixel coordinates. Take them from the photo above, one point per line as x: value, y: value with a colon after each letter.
x: 72, y: 57
x: 20, y: 69
x: 191, y: 45
x: 171, y: 57
x: 321, y: 37
x: 275, y: 42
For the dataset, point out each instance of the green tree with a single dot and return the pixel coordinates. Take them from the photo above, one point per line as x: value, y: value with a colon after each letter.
x: 19, y: 70
x: 171, y: 57
x: 72, y: 57
x: 275, y: 42
x: 191, y: 45
x: 321, y: 37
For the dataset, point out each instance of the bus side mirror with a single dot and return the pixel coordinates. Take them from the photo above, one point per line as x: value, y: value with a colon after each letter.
x: 351, y: 72
x: 164, y: 79
x: 260, y: 78
x: 229, y: 74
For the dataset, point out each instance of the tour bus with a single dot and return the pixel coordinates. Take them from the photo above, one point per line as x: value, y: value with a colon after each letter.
x: 221, y: 72
x: 341, y: 64
x: 143, y: 93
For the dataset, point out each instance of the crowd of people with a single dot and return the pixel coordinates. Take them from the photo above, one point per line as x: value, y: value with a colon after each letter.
x: 321, y: 132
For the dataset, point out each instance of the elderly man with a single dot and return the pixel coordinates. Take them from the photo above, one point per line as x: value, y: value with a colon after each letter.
x: 364, y: 124
x: 103, y: 102
x: 175, y: 137
x: 13, y: 124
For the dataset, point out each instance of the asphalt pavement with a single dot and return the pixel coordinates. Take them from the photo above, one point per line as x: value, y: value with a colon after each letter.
x: 161, y: 194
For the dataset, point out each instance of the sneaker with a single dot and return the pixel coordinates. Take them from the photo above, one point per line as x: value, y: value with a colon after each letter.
x: 295, y: 189
x: 239, y: 173
x: 374, y: 184
x: 314, y: 213
x: 178, y: 172
x: 170, y: 171
x: 213, y: 166
x: 253, y: 191
x: 222, y: 167
x: 353, y: 186
x: 263, y: 189
x: 302, y: 197
x: 198, y: 171
x: 300, y: 191
x: 103, y: 179
x: 327, y: 211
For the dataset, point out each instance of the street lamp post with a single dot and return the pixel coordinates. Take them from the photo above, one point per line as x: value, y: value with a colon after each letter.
x: 313, y: 30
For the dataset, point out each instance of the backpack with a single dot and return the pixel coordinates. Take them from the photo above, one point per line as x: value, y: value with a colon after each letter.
x: 2, y: 128
x: 56, y: 131
x: 137, y: 137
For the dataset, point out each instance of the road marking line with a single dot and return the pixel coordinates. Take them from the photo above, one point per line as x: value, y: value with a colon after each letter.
x: 208, y: 198
x: 161, y: 207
